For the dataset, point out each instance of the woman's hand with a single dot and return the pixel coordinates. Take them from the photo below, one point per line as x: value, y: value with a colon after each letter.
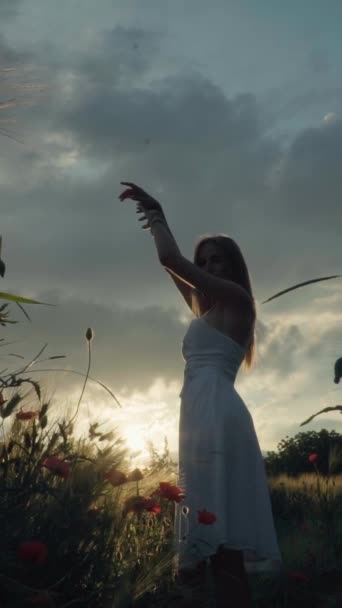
x: 138, y: 194
x: 146, y: 204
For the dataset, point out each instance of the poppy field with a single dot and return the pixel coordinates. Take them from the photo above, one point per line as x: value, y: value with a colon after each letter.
x: 80, y: 528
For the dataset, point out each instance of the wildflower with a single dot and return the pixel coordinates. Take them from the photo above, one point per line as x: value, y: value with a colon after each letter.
x: 298, y: 577
x: 206, y: 517
x: 115, y: 477
x: 313, y: 457
x: 29, y: 415
x: 57, y: 465
x: 152, y: 506
x: 166, y: 490
x: 33, y: 551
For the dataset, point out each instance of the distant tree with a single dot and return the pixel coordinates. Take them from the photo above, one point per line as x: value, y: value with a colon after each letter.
x: 293, y: 453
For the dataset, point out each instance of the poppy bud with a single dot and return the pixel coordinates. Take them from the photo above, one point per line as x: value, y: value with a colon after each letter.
x: 58, y: 466
x: 89, y: 334
x: 28, y: 415
x: 32, y: 551
x: 338, y: 370
x: 135, y: 475
x: 206, y: 517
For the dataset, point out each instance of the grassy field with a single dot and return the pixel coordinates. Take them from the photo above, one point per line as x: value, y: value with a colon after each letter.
x: 307, y: 512
x: 80, y: 528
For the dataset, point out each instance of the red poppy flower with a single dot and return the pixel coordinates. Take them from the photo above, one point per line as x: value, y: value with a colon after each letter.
x: 170, y: 492
x: 298, y: 577
x: 41, y: 599
x: 206, y: 517
x: 313, y: 457
x: 57, y: 465
x: 25, y: 415
x: 115, y: 477
x: 152, y: 506
x: 33, y: 551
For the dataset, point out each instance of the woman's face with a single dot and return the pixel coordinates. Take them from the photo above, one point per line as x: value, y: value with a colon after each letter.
x: 211, y: 258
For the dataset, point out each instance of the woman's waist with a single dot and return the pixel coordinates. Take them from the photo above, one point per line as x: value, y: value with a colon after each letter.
x: 203, y: 373
x: 195, y: 366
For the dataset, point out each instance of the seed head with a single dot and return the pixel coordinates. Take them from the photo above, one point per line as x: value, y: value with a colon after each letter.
x: 89, y: 334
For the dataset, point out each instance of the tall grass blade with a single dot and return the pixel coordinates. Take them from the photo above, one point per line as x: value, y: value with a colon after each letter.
x: 71, y: 371
x: 336, y: 408
x: 14, y: 298
x: 300, y: 285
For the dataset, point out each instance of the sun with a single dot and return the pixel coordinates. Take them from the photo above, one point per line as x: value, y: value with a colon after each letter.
x: 135, y: 440
x: 134, y: 437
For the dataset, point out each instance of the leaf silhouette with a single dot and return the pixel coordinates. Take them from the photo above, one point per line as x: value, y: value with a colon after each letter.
x: 300, y: 285
x: 14, y: 298
x: 24, y: 311
x: 336, y: 408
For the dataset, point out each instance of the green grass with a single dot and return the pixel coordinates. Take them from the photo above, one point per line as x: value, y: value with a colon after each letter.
x: 100, y: 554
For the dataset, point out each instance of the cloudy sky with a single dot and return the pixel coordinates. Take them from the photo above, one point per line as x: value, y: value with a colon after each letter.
x: 230, y: 113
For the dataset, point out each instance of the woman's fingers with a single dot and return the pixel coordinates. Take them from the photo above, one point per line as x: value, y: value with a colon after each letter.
x: 135, y: 196
x: 138, y: 194
x: 134, y: 189
x: 130, y: 184
x: 128, y: 194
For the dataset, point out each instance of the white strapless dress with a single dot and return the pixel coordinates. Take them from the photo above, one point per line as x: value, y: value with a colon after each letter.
x: 220, y: 466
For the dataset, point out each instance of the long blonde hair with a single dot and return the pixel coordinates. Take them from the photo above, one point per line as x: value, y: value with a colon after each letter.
x: 239, y: 274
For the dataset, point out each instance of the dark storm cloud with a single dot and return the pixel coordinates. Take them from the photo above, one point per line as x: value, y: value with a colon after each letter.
x: 9, y: 8
x: 214, y: 166
x: 310, y: 185
x: 185, y: 135
x: 200, y: 145
x: 319, y: 62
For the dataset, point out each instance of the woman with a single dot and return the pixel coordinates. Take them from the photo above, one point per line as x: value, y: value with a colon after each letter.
x: 221, y: 469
